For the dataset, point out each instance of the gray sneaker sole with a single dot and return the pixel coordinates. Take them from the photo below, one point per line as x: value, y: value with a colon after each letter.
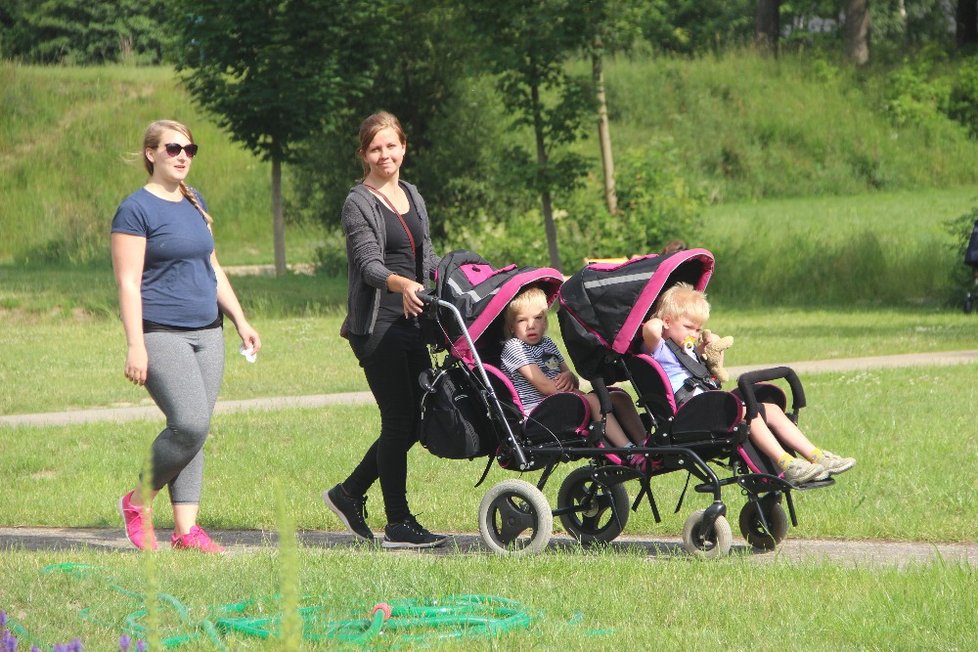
x: 340, y: 515
x: 407, y: 545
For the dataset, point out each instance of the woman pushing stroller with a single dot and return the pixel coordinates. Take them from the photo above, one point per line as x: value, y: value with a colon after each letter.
x: 674, y: 330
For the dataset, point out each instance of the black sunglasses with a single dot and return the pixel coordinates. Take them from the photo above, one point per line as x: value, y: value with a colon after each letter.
x: 173, y: 149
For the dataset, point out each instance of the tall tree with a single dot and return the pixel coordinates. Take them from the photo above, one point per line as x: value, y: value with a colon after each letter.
x: 966, y: 23
x: 857, y: 31
x: 274, y: 72
x: 613, y: 26
x: 767, y: 25
x: 529, y: 41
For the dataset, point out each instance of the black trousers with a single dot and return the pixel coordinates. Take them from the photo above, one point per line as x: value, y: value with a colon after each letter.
x: 392, y: 369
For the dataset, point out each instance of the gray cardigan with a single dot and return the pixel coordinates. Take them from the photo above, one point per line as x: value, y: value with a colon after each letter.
x: 366, y: 240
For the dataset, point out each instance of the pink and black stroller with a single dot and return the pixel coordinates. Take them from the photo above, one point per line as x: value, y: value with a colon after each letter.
x: 471, y: 409
x: 603, y: 307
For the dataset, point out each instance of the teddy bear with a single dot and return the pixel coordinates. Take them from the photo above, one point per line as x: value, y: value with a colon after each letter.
x: 713, y: 354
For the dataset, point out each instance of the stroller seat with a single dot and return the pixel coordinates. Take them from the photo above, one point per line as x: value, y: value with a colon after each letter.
x: 560, y: 420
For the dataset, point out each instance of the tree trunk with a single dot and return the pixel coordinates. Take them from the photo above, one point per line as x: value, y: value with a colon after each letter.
x: 767, y: 25
x: 966, y: 23
x: 278, y: 219
x: 548, y: 214
x: 857, y: 31
x: 604, y: 133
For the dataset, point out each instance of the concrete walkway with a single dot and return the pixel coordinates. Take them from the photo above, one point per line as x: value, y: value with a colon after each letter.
x: 322, y: 400
x: 854, y: 554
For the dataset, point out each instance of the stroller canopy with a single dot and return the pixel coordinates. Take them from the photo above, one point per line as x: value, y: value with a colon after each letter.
x: 603, y: 306
x: 481, y: 293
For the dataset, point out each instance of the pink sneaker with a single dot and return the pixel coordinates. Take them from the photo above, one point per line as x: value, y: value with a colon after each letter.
x: 139, y: 523
x: 196, y: 539
x: 638, y: 461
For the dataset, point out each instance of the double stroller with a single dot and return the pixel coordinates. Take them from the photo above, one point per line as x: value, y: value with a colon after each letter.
x: 471, y: 409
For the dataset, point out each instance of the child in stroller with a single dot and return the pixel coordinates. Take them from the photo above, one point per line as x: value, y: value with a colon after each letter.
x: 537, y: 369
x: 671, y: 335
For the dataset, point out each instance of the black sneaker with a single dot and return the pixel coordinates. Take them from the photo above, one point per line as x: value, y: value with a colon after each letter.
x: 352, y: 511
x: 410, y: 534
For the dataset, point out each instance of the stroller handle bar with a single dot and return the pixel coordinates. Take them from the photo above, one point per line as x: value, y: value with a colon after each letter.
x: 746, y: 382
x: 429, y: 298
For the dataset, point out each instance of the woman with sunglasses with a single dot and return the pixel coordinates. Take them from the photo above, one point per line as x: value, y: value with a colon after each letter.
x: 389, y: 255
x: 172, y: 295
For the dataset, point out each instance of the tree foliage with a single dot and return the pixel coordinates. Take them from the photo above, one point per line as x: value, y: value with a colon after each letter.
x: 84, y: 32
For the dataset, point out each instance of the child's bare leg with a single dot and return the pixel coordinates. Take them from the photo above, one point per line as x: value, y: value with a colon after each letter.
x: 762, y: 437
x: 612, y: 430
x: 628, y: 418
x: 786, y: 431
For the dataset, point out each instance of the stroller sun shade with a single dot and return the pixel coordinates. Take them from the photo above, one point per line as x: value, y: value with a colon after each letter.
x: 603, y: 306
x: 481, y: 293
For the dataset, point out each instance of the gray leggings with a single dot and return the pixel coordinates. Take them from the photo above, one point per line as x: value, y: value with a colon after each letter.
x: 184, y: 376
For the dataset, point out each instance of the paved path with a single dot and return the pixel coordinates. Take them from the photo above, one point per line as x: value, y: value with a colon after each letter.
x: 321, y: 400
x: 848, y: 553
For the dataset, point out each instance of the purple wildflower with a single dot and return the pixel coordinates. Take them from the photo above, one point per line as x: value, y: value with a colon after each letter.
x: 75, y: 645
x: 3, y: 618
x: 9, y: 642
x: 124, y: 642
x: 140, y: 646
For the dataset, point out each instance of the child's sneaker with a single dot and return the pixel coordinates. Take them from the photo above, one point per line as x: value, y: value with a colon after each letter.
x: 410, y: 534
x: 351, y: 510
x: 196, y: 539
x: 835, y: 464
x: 800, y: 471
x: 138, y: 523
x: 638, y: 461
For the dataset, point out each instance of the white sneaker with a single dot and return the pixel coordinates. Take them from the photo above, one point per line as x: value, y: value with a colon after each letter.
x: 835, y: 464
x: 801, y: 471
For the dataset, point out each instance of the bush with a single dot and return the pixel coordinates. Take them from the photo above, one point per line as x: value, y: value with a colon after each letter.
x: 962, y: 103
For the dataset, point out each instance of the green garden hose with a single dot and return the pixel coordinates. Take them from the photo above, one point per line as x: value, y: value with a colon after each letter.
x: 401, y: 622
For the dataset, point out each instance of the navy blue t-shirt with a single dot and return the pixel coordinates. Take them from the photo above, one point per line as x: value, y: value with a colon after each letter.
x: 179, y: 286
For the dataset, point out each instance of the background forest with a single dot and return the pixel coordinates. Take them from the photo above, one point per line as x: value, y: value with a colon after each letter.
x: 539, y: 132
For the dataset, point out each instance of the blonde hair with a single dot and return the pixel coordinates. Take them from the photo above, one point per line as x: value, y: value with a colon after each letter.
x: 532, y: 298
x: 369, y: 128
x: 683, y: 300
x: 152, y: 138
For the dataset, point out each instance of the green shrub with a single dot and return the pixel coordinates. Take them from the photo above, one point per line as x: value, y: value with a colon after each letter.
x: 962, y: 103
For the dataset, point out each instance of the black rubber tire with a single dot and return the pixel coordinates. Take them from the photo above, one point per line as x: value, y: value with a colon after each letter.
x: 509, y: 511
x: 753, y: 530
x: 607, y: 508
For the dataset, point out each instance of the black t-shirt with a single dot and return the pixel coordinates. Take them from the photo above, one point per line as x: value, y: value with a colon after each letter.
x: 399, y: 258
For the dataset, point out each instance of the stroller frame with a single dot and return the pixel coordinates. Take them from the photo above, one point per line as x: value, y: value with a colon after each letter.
x: 592, y: 503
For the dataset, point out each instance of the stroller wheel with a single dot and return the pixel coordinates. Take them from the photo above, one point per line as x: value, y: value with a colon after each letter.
x: 706, y: 545
x: 590, y: 511
x: 753, y: 527
x: 515, y: 518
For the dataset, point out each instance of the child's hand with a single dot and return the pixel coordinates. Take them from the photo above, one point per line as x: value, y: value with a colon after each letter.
x: 565, y: 382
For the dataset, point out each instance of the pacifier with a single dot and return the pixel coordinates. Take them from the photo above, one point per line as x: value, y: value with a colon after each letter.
x: 689, y: 343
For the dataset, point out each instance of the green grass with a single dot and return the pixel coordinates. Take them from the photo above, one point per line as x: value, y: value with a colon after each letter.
x: 866, y: 250
x: 593, y: 601
x: 584, y: 599
x: 69, y: 153
x: 884, y: 418
x: 70, y: 361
